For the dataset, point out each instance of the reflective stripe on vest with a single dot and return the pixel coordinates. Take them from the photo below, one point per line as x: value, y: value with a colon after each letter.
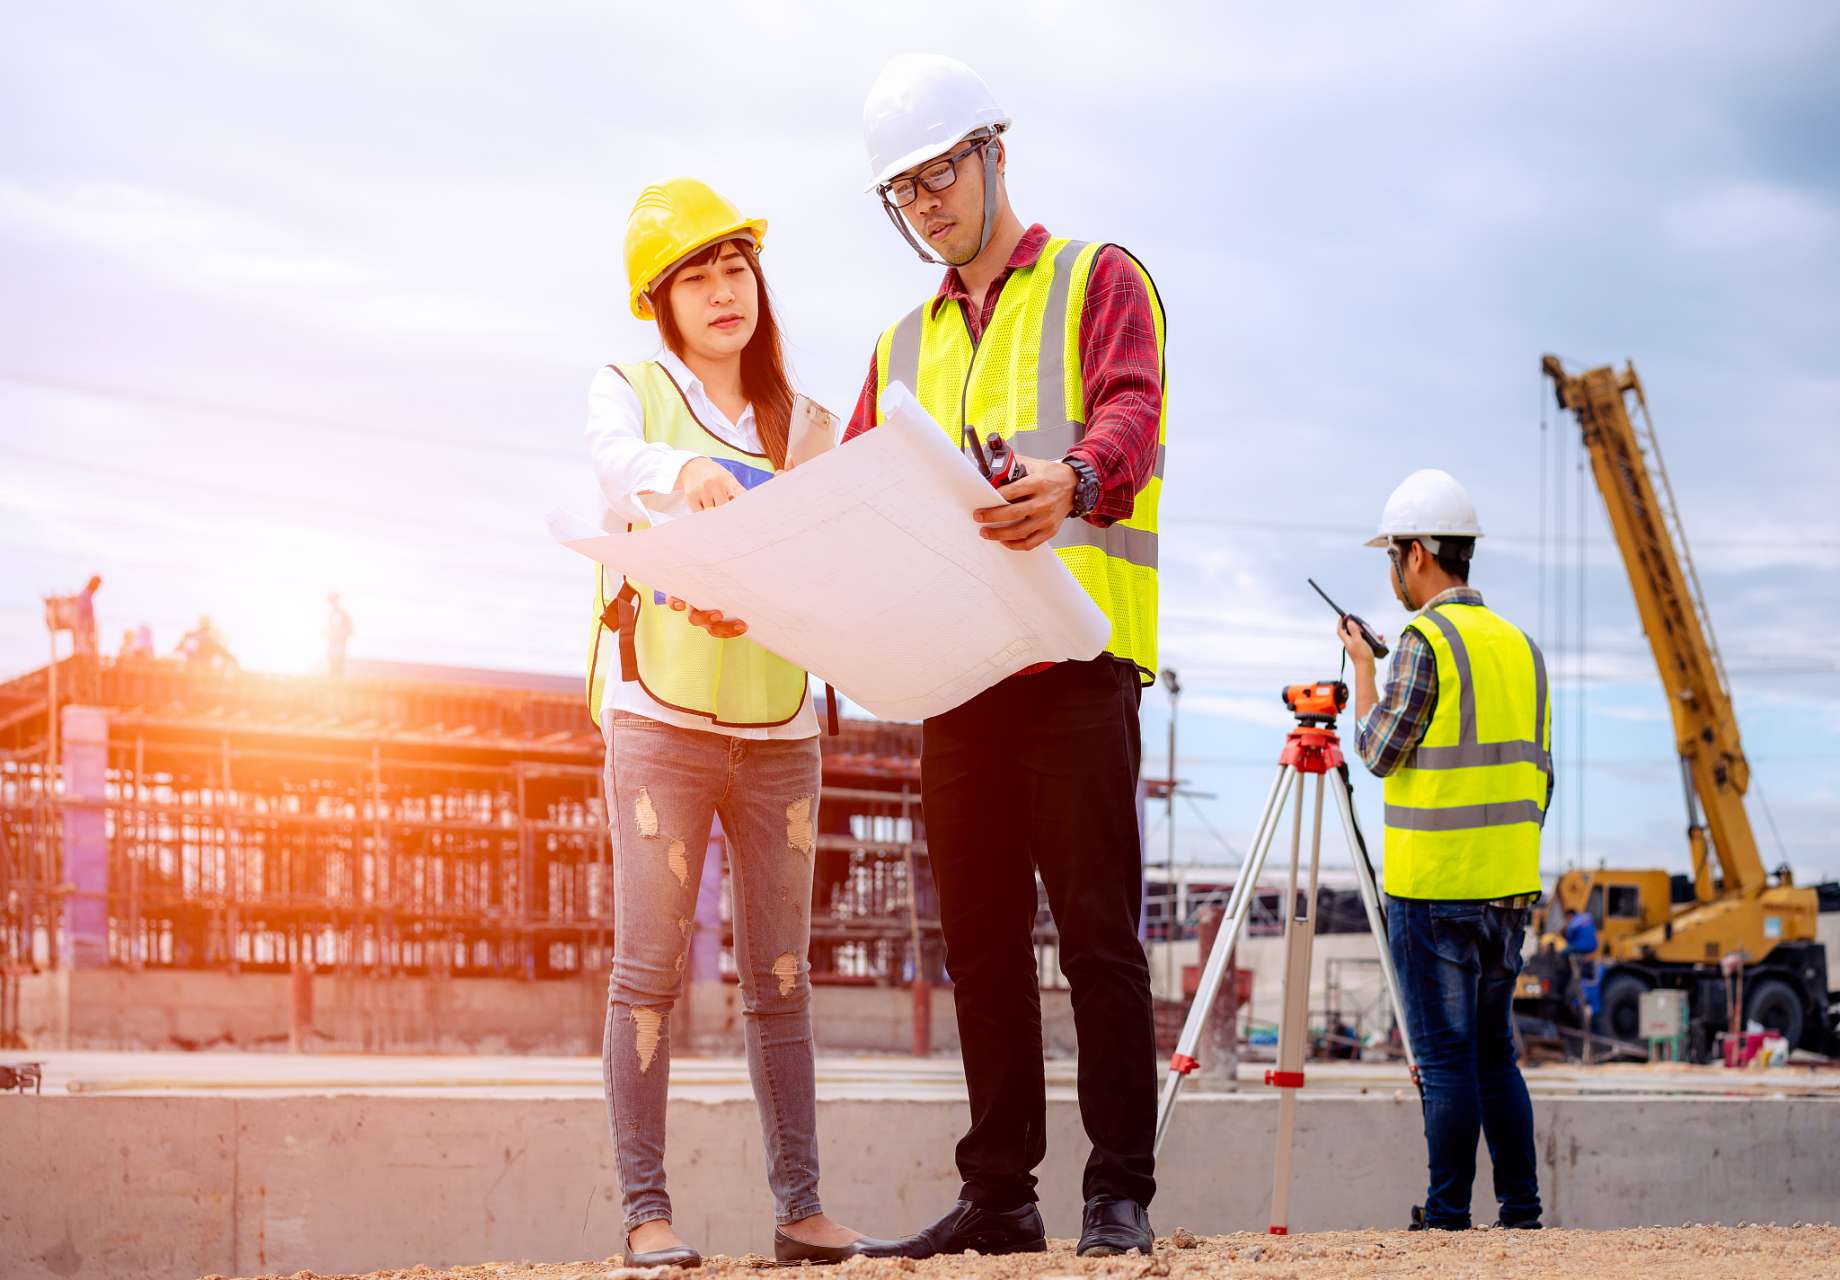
x: 1023, y: 379
x: 735, y: 683
x: 1463, y: 814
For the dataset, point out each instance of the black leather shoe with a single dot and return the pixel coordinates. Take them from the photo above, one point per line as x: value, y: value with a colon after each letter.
x: 966, y: 1226
x: 786, y: 1249
x: 1113, y: 1226
x: 1519, y: 1224
x: 682, y: 1256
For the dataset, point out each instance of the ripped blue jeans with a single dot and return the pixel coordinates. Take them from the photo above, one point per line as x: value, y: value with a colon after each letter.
x: 664, y: 784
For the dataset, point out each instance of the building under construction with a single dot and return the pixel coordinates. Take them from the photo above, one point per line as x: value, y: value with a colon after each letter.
x: 402, y: 822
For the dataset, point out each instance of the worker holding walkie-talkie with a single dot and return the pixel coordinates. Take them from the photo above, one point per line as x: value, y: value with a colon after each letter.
x: 1463, y: 738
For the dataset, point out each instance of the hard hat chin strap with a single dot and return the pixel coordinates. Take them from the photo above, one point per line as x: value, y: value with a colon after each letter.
x: 1399, y: 576
x: 990, y: 192
x: 900, y: 224
x: 991, y: 150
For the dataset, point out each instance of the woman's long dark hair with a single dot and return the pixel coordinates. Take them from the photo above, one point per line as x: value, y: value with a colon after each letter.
x: 763, y: 366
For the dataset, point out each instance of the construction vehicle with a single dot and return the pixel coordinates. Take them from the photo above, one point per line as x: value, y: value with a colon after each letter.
x: 1657, y: 931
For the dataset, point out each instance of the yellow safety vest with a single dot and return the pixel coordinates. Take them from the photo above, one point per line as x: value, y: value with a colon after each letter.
x: 1023, y: 380
x: 736, y: 683
x: 1464, y: 812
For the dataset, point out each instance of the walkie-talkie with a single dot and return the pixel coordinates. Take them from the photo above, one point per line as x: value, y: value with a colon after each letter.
x: 1000, y: 465
x: 1367, y: 632
x: 1005, y: 466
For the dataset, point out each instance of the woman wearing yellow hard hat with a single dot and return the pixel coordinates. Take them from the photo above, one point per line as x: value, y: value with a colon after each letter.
x: 701, y: 722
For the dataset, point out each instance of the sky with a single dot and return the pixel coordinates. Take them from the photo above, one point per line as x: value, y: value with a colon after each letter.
x: 307, y: 297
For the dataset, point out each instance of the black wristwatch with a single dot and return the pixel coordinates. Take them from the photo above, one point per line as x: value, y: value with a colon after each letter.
x: 1085, y: 489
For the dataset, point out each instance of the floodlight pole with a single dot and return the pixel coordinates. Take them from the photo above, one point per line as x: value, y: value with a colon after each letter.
x: 1171, y: 926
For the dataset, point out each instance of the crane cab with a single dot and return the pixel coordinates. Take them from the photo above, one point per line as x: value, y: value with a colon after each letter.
x: 1621, y: 904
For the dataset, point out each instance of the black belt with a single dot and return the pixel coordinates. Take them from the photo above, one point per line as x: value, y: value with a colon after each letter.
x: 1515, y: 903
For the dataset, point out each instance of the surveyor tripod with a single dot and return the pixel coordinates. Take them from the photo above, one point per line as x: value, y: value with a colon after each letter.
x: 1311, y: 748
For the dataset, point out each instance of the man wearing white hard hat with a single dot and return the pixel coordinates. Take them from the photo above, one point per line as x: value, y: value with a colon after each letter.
x: 1463, y: 738
x: 1053, y: 347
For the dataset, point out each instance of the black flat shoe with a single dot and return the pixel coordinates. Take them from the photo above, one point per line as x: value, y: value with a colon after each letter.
x: 965, y: 1226
x: 682, y: 1256
x: 1113, y: 1226
x: 786, y: 1249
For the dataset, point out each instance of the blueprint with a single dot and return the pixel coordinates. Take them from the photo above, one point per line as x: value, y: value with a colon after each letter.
x: 864, y: 567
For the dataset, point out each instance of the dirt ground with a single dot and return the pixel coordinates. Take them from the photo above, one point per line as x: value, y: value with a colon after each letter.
x: 1731, y: 1253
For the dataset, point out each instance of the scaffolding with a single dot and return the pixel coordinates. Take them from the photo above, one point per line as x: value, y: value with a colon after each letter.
x: 426, y: 823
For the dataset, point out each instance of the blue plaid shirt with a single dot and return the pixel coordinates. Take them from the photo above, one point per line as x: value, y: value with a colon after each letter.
x: 1387, y: 735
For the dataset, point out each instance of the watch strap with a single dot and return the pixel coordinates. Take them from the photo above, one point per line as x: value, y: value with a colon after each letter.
x: 1086, y: 488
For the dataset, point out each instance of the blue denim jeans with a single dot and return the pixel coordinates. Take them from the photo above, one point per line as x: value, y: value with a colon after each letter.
x: 664, y: 784
x: 1457, y: 962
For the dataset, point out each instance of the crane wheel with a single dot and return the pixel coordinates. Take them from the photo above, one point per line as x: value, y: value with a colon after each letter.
x: 1622, y: 1005
x: 1778, y: 1006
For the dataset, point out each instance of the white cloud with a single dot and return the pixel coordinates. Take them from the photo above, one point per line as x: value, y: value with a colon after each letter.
x: 1635, y: 715
x: 1754, y: 216
x: 198, y: 246
x: 180, y: 238
x: 1259, y: 711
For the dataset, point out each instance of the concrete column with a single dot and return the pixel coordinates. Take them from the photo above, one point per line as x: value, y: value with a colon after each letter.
x: 84, y: 757
x: 1219, y: 1049
x: 300, y: 1008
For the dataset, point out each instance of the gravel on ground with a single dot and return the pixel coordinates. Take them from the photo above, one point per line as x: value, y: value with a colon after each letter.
x: 1794, y: 1252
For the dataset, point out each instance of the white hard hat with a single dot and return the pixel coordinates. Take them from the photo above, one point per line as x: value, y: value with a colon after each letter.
x: 923, y: 105
x: 1428, y: 505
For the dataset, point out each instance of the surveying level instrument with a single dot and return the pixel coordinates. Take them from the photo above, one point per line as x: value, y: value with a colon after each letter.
x: 1311, y: 748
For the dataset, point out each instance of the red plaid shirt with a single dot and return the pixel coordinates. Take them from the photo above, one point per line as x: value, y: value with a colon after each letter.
x: 1123, y: 377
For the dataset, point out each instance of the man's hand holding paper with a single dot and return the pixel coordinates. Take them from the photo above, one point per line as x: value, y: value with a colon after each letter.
x: 1037, y: 506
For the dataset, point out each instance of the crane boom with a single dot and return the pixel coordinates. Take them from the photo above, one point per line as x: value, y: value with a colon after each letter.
x: 1758, y: 926
x: 1654, y: 547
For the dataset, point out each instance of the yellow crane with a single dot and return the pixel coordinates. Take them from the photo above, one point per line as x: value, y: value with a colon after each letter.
x: 1646, y: 939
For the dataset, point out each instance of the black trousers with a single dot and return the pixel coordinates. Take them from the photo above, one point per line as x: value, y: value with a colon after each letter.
x: 1040, y: 771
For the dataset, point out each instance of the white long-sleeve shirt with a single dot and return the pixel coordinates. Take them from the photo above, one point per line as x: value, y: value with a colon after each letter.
x: 626, y: 464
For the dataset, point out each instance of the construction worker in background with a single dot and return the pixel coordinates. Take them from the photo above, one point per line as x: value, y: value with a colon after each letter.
x: 1057, y: 346
x: 203, y: 647
x: 136, y: 645
x: 1463, y: 738
x: 83, y: 635
x: 701, y: 722
x: 1587, y: 974
x: 338, y: 631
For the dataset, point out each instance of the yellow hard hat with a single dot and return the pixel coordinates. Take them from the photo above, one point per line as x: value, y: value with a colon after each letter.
x: 671, y: 221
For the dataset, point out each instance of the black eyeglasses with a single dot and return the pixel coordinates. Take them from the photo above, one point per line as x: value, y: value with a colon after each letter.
x: 935, y: 177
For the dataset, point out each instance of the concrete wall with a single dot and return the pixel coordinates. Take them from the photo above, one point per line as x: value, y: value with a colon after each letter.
x: 189, y: 1009
x: 165, y: 1009
x: 864, y: 1020
x: 184, y: 1187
